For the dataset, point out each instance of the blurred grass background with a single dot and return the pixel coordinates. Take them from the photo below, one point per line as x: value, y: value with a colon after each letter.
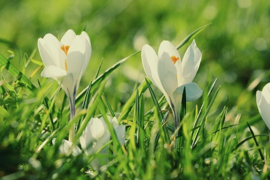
x: 235, y: 46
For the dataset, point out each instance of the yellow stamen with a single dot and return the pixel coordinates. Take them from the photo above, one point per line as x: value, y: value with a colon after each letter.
x: 66, y: 64
x: 174, y: 59
x: 65, y: 49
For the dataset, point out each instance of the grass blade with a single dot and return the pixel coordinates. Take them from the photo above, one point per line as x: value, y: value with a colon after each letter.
x: 130, y: 102
x: 15, y: 72
x: 85, y: 104
x: 90, y: 112
x: 201, y: 109
x: 256, y: 142
x: 204, y: 117
x: 13, y: 46
x: 160, y: 115
x: 245, y: 140
x: 105, y: 101
x: 95, y: 84
x: 192, y: 35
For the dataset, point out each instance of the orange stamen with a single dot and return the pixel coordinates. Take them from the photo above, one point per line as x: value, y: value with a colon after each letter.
x: 66, y: 64
x: 174, y: 59
x: 65, y: 49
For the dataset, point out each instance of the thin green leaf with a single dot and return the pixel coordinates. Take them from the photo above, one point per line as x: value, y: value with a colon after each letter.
x: 15, y: 72
x: 96, y: 83
x: 90, y: 112
x: 39, y: 63
x: 192, y: 35
x: 50, y: 114
x: 85, y: 104
x: 130, y: 102
x: 99, y: 67
x: 29, y: 59
x: 201, y: 109
x: 245, y: 140
x: 159, y: 132
x: 116, y: 143
x: 13, y: 46
x: 226, y: 127
x: 136, y: 116
x: 141, y: 125
x: 256, y: 142
x: 105, y: 100
x: 204, y: 117
x: 159, y: 112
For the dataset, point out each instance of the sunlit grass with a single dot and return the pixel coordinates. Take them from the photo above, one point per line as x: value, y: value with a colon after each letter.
x: 214, y: 144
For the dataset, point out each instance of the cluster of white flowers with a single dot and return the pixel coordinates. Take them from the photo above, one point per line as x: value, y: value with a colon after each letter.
x: 66, y: 61
x: 93, y: 138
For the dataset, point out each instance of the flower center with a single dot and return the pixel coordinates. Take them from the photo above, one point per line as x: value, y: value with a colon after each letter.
x: 65, y: 49
x: 174, y: 59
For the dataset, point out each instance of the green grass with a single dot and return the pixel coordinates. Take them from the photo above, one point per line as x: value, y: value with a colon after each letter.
x: 221, y: 135
x: 210, y: 147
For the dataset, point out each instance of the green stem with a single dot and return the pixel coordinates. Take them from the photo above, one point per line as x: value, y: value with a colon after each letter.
x: 72, y: 114
x: 176, y: 125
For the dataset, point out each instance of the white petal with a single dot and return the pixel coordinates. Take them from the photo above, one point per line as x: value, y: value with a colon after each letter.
x: 177, y: 100
x: 68, y: 85
x: 95, y: 136
x: 45, y: 54
x: 149, y: 61
x: 120, y: 132
x: 113, y: 121
x: 75, y: 63
x: 53, y: 72
x: 75, y: 56
x: 65, y: 147
x: 78, y: 45
x: 68, y: 37
x: 168, y: 47
x: 193, y: 91
x: 53, y: 46
x: 88, y: 50
x: 119, y: 129
x: 101, y: 142
x: 98, y: 128
x: 179, y: 68
x: 266, y: 92
x: 167, y: 74
x: 262, y: 99
x: 86, y: 139
x: 191, y: 62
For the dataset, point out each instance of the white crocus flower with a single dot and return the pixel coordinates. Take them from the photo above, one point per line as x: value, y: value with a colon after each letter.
x: 171, y: 75
x: 263, y: 103
x: 66, y: 61
x: 96, y: 135
x: 66, y: 146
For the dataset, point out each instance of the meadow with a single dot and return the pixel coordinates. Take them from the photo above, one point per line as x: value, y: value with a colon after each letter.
x: 221, y: 135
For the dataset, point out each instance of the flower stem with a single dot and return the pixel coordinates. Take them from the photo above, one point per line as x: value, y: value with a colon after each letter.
x: 176, y: 125
x: 72, y: 114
